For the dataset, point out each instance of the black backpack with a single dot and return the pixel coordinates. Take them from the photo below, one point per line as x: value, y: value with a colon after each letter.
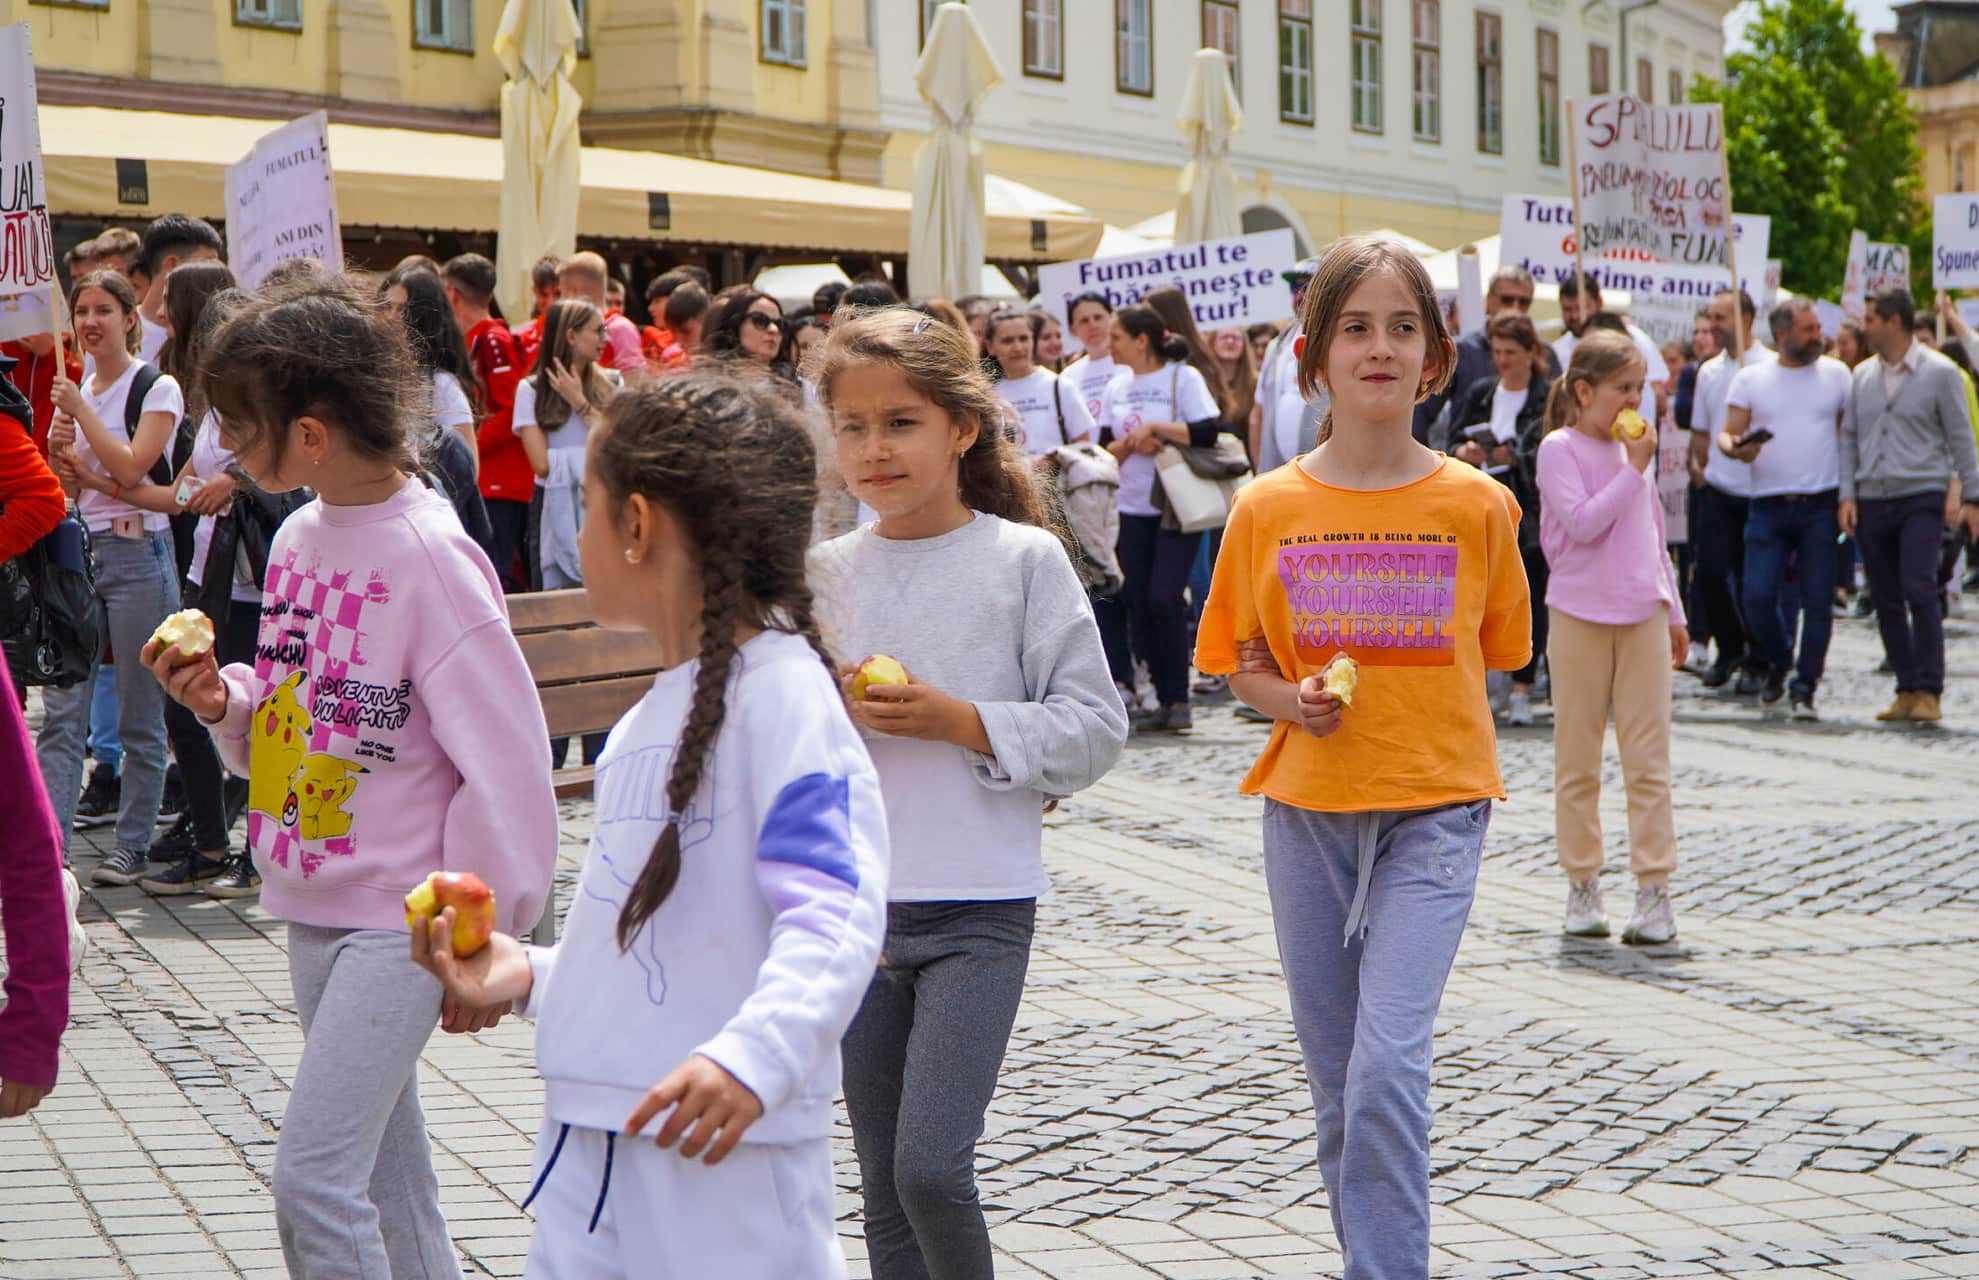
x: 51, y: 619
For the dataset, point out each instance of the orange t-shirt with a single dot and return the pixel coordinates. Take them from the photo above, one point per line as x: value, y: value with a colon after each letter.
x: 1422, y: 585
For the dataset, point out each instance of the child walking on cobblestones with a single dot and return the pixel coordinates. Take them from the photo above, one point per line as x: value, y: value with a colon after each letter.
x: 731, y: 907
x: 1378, y: 787
x: 388, y: 728
x: 1618, y: 631
x: 1007, y: 705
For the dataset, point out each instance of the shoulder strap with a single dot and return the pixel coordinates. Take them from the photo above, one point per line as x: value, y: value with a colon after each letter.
x: 1174, y: 388
x: 1058, y: 403
x: 142, y: 382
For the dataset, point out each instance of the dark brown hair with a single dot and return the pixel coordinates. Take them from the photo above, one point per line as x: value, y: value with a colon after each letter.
x: 119, y: 288
x: 325, y: 348
x: 733, y: 466
x: 940, y: 362
x: 1510, y: 326
x: 1142, y: 321
x: 1348, y: 262
x: 188, y: 290
x: 559, y: 322
x: 1172, y: 305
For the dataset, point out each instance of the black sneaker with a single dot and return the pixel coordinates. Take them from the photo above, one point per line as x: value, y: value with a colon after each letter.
x: 100, y: 799
x: 1803, y: 703
x: 1775, y: 690
x: 123, y: 866
x: 1719, y: 674
x: 237, y: 881
x: 1750, y: 682
x: 187, y: 875
x: 172, y: 800
x: 176, y: 843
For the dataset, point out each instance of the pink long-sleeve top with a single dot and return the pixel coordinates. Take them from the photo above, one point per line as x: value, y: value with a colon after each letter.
x: 1601, y: 527
x: 33, y: 915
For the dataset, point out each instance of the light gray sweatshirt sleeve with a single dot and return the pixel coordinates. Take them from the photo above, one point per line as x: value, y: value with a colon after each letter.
x: 1071, y: 729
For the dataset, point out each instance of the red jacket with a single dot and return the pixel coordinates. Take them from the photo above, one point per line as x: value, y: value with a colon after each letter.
x: 505, y: 470
x: 31, y: 498
x: 35, y: 376
x: 528, y: 339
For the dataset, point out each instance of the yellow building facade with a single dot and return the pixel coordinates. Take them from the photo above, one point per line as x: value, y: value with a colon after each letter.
x: 1934, y: 50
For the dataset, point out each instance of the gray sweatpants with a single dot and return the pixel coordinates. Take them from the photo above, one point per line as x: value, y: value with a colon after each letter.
x: 139, y: 586
x: 355, y: 1195
x: 921, y: 1061
x: 1369, y: 909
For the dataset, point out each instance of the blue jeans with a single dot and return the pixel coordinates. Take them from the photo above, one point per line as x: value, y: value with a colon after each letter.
x: 1365, y: 987
x: 103, y: 744
x: 139, y: 583
x: 1801, y: 527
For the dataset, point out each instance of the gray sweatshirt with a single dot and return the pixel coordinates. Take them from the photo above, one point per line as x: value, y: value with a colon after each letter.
x: 1913, y: 443
x: 991, y: 613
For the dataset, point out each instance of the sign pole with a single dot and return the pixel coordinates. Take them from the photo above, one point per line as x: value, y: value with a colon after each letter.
x: 1573, y: 170
x: 1731, y: 242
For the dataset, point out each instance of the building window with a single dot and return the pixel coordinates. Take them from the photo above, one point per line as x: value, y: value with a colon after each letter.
x: 1597, y: 69
x: 1365, y: 82
x: 1490, y: 84
x: 1044, y: 38
x: 1295, y: 61
x: 1962, y: 168
x: 928, y: 10
x: 1677, y: 94
x: 1220, y: 32
x: 1426, y: 34
x: 1645, y: 80
x: 1133, y: 51
x: 1548, y: 50
x: 443, y: 24
x: 783, y: 32
x: 286, y: 14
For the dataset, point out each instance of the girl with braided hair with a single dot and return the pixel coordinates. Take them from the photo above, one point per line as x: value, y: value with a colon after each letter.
x: 731, y: 908
x: 1008, y: 707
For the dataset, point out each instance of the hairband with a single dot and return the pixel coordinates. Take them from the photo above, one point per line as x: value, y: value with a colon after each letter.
x: 922, y: 324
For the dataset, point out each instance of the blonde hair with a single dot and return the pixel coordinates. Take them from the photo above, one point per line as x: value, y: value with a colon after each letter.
x: 1599, y: 357
x: 1349, y: 261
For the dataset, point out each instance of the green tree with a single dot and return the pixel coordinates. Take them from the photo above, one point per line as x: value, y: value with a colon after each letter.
x: 1820, y: 136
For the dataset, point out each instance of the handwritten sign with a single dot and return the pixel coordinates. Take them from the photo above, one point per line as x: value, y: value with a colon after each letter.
x: 1652, y: 178
x: 282, y: 201
x: 1673, y: 480
x: 1886, y: 267
x: 1229, y: 283
x: 27, y: 249
x: 26, y: 315
x: 1955, y: 242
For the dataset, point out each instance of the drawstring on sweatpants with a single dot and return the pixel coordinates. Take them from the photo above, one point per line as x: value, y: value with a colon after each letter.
x: 1369, y: 825
x: 603, y: 1189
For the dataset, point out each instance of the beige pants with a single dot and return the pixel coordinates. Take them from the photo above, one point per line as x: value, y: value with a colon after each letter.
x: 1597, y: 668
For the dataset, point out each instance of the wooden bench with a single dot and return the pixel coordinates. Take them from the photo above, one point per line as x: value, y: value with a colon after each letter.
x: 587, y: 677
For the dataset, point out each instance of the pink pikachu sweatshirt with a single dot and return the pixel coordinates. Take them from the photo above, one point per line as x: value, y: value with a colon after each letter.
x: 389, y: 727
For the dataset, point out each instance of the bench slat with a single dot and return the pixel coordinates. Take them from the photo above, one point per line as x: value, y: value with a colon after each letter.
x: 548, y: 610
x: 587, y: 653
x: 590, y: 707
x: 573, y: 782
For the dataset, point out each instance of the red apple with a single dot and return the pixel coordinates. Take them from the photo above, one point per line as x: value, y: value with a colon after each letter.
x: 473, y: 903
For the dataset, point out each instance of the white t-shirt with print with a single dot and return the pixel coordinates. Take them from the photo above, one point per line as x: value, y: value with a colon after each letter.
x: 1172, y: 393
x: 1092, y: 376
x: 99, y: 509
x: 1037, y: 401
x: 1802, y: 407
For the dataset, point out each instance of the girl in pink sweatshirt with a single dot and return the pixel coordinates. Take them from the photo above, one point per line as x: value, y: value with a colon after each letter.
x: 1617, y: 631
x: 388, y: 728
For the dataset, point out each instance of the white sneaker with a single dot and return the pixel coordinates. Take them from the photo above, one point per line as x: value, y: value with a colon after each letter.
x: 1654, y: 921
x: 78, y: 940
x: 1518, y: 709
x: 1585, y: 916
x: 1699, y: 660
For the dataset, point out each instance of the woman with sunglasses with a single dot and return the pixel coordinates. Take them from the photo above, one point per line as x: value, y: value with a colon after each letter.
x: 747, y: 333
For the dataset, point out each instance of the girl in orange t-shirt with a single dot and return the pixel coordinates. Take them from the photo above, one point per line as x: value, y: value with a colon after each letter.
x: 1372, y: 547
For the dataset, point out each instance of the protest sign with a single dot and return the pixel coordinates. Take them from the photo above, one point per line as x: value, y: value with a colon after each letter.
x: 25, y: 315
x: 1770, y: 289
x: 1652, y: 179
x: 1232, y: 282
x: 27, y: 250
x: 1955, y: 242
x: 282, y: 202
x: 1886, y: 266
x: 1673, y: 480
x: 1855, y: 275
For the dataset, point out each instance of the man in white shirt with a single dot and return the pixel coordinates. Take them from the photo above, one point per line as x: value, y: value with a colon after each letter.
x: 1721, y: 497
x: 1576, y: 311
x: 1784, y: 418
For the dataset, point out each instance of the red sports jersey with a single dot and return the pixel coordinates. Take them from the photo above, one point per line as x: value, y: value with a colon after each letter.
x: 498, y: 366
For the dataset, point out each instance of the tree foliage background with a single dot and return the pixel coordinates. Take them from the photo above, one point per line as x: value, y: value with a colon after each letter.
x: 1819, y: 135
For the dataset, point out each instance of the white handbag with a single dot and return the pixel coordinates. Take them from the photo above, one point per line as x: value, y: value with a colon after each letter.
x: 1199, y: 502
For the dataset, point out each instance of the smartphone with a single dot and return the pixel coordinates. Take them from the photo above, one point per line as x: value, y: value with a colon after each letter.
x: 187, y: 487
x: 1758, y: 435
x: 1482, y: 435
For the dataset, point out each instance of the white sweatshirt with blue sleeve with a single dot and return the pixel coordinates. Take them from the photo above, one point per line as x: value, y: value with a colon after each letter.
x: 760, y: 956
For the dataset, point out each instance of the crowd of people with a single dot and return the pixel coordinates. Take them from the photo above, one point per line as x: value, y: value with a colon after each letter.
x: 801, y: 876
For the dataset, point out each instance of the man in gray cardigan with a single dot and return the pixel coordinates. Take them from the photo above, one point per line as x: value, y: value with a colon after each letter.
x: 1906, y: 430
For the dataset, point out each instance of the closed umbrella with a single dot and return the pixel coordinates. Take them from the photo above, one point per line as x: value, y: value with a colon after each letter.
x: 1210, y: 114
x: 955, y: 73
x: 537, y: 46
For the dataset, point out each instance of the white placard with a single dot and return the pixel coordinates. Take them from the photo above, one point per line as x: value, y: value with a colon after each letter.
x: 1885, y: 266
x: 1652, y: 179
x: 1955, y: 242
x: 1673, y: 481
x: 1855, y: 276
x: 27, y: 250
x: 282, y: 202
x: 1229, y: 283
x: 25, y: 315
x: 1770, y: 289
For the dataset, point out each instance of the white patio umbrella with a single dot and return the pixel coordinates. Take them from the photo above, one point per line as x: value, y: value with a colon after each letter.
x: 537, y: 46
x: 955, y: 73
x: 1210, y: 114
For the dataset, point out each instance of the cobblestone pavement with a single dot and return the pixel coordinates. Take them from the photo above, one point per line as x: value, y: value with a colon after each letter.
x: 1788, y: 1090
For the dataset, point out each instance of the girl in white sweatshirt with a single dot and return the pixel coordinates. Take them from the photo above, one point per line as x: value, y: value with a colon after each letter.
x: 730, y: 911
x: 1008, y: 706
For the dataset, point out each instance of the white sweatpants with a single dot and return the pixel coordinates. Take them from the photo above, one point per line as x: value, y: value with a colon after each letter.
x: 764, y: 1213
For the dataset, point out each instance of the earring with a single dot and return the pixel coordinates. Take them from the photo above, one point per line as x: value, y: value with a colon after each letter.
x: 632, y: 557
